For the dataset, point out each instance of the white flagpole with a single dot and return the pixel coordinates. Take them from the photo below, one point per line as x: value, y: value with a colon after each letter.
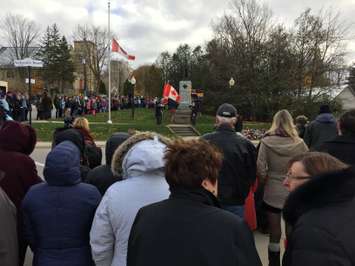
x: 109, y: 67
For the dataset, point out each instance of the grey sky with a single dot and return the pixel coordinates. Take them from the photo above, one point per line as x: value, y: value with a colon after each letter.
x: 148, y: 27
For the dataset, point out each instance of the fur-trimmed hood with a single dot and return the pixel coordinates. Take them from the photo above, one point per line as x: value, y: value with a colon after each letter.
x: 144, y: 157
x: 320, y: 191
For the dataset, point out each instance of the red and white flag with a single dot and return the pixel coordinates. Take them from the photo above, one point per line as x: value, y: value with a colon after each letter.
x: 116, y: 48
x: 170, y: 93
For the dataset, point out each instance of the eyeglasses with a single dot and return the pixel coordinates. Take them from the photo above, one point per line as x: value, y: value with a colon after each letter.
x: 289, y: 176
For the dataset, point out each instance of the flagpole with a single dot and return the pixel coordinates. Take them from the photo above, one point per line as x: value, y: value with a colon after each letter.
x: 109, y: 66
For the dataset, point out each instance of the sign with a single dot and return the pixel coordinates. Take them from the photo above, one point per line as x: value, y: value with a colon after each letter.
x: 308, y: 81
x: 28, y: 62
x: 33, y: 81
x: 185, y: 88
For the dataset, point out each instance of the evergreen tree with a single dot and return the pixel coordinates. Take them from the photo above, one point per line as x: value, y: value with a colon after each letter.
x: 66, y: 71
x: 58, y: 66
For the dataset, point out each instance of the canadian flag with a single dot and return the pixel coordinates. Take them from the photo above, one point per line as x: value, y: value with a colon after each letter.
x: 116, y: 48
x: 170, y: 93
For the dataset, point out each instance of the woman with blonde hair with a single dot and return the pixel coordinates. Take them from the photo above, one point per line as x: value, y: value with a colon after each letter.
x: 83, y: 124
x: 280, y: 143
x: 92, y: 152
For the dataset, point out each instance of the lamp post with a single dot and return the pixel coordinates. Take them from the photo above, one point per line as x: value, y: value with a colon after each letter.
x: 85, y: 80
x: 231, y: 83
x: 133, y: 82
x: 109, y: 121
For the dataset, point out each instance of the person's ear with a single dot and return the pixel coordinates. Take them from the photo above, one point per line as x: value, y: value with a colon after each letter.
x: 234, y: 121
x: 211, y: 187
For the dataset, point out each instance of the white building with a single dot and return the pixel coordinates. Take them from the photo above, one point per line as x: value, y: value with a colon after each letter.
x: 347, y: 98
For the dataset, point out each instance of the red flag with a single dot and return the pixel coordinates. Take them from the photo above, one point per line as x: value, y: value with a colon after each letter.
x: 170, y: 93
x: 116, y: 48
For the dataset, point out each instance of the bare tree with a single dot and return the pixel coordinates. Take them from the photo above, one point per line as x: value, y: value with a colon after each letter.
x: 93, y: 36
x: 20, y: 34
x: 319, y: 48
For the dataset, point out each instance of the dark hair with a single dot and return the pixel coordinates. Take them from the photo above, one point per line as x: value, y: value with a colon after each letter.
x: 324, y: 109
x: 316, y: 163
x: 301, y: 119
x: 189, y: 162
x: 347, y: 122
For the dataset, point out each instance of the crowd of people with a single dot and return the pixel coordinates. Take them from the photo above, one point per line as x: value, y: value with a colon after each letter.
x: 77, y: 105
x: 157, y: 201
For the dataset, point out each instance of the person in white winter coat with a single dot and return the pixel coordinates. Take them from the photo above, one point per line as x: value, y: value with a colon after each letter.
x: 140, y: 161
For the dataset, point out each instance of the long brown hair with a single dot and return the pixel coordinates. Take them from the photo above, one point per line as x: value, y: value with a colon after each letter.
x: 316, y: 163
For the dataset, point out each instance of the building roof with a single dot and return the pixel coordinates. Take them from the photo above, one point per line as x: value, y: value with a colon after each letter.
x: 7, y: 55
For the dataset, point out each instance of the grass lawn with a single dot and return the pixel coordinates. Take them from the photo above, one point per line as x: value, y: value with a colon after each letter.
x: 143, y: 121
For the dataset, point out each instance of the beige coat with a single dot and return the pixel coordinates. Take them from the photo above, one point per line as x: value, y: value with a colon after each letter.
x: 8, y: 232
x: 274, y: 154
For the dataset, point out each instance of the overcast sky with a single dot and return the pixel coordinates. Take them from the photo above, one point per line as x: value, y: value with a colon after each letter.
x: 148, y: 27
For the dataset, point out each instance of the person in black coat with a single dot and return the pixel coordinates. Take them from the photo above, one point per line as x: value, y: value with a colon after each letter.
x: 159, y: 107
x: 343, y: 146
x: 102, y: 176
x: 190, y: 228
x: 238, y: 171
x: 321, y: 213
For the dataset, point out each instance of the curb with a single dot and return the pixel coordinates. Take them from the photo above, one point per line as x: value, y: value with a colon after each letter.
x: 47, y: 144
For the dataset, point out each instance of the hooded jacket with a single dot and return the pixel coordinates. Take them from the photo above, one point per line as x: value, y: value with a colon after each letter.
x: 17, y: 141
x: 102, y: 176
x: 140, y: 162
x: 58, y: 214
x: 321, y: 213
x: 274, y: 154
x: 238, y: 171
x: 73, y: 135
x: 190, y: 229
x: 322, y: 129
x: 8, y: 235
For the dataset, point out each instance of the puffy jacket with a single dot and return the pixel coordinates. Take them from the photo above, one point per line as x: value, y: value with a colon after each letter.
x: 238, y: 171
x: 102, y: 176
x: 143, y: 183
x: 190, y: 229
x: 58, y: 214
x: 322, y: 129
x: 321, y: 213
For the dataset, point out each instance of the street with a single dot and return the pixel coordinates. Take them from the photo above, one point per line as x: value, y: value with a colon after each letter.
x: 39, y: 156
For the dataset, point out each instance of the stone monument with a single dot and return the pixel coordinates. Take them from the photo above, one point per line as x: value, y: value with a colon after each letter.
x: 185, y: 88
x: 183, y: 113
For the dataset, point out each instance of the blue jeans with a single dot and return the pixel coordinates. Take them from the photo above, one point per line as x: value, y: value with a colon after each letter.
x: 235, y: 209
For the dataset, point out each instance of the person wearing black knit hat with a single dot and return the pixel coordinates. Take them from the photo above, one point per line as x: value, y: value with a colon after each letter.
x: 322, y: 129
x: 102, y: 176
